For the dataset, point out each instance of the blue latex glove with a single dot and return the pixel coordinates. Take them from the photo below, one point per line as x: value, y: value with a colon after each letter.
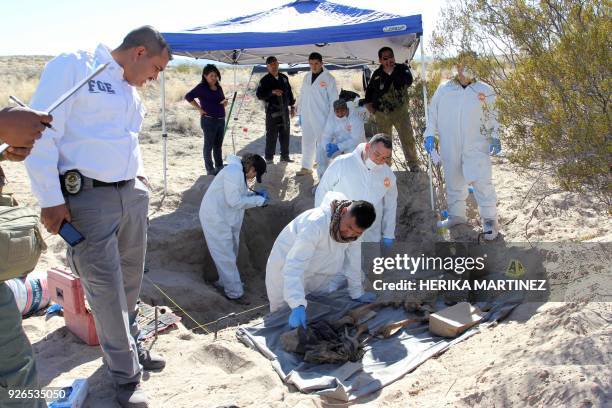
x: 495, y: 146
x: 367, y: 297
x: 470, y: 189
x: 331, y: 148
x: 387, y: 242
x: 297, y: 317
x: 263, y: 193
x: 444, y: 214
x: 429, y: 144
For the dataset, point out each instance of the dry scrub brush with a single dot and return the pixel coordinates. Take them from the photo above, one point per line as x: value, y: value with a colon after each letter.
x: 550, y: 63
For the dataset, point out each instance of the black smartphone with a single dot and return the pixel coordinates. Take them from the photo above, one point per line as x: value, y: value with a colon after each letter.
x: 70, y: 234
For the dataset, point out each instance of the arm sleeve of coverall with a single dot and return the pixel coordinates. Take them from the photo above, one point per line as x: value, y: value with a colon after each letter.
x: 332, y: 95
x: 352, y: 269
x: 389, y: 211
x: 491, y: 116
x: 297, y: 262
x: 58, y: 76
x: 299, y: 101
x: 234, y: 196
x: 328, y: 132
x: 432, y: 117
x: 328, y: 182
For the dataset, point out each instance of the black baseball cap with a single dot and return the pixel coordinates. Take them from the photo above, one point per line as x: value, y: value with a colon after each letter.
x: 271, y: 59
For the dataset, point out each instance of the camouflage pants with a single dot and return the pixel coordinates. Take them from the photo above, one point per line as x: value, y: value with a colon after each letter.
x: 400, y: 120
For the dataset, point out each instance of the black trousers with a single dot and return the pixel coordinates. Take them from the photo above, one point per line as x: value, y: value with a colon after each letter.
x: 276, y: 129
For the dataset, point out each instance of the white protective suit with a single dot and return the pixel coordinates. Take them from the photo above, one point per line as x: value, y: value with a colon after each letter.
x: 347, y: 132
x: 459, y: 117
x: 349, y: 175
x: 221, y: 214
x: 315, y: 106
x: 306, y: 259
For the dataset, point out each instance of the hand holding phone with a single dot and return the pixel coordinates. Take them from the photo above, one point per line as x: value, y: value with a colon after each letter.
x: 70, y: 234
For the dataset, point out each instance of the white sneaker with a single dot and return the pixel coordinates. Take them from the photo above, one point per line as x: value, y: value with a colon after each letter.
x: 451, y: 221
x: 490, y: 229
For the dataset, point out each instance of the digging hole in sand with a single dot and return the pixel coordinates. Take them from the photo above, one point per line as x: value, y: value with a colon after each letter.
x: 179, y: 261
x: 180, y: 264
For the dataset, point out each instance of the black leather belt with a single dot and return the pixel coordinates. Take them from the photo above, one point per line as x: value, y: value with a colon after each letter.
x: 72, y: 182
x: 98, y: 183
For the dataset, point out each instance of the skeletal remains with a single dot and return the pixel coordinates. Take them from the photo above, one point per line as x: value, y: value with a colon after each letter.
x: 338, y: 341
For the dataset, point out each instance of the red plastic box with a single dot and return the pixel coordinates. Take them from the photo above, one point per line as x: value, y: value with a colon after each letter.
x: 66, y: 290
x: 83, y: 326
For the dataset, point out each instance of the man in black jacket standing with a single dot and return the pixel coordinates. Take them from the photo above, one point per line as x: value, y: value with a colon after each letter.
x: 387, y: 99
x: 274, y: 89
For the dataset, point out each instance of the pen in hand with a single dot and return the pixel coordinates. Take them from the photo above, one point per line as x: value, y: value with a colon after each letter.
x: 23, y: 105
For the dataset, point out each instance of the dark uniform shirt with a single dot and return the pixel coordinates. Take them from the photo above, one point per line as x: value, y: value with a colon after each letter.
x: 389, y: 92
x: 274, y: 103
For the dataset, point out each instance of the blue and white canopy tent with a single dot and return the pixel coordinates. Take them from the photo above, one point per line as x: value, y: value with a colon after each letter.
x: 344, y: 35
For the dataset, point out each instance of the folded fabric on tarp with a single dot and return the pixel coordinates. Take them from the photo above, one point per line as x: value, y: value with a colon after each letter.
x: 384, y: 361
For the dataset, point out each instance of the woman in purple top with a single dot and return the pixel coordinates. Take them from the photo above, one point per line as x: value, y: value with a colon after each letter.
x: 211, y: 105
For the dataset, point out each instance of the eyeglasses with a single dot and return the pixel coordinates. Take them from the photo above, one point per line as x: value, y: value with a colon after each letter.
x: 388, y: 57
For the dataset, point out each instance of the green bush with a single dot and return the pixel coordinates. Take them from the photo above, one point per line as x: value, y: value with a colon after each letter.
x: 549, y: 62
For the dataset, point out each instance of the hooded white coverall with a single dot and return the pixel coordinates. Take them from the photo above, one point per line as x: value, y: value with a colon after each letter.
x: 315, y: 105
x: 347, y: 132
x: 349, y: 175
x: 221, y: 214
x: 306, y: 259
x: 465, y: 119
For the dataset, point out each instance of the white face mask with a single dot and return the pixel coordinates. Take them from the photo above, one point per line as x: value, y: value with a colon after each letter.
x: 370, y: 164
x: 468, y: 73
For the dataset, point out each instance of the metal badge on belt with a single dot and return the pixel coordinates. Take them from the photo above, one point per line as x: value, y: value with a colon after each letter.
x: 73, y: 182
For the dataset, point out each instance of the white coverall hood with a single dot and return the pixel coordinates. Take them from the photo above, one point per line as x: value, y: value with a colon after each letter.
x: 314, y: 106
x: 348, y: 175
x: 221, y: 214
x: 306, y: 259
x: 459, y: 116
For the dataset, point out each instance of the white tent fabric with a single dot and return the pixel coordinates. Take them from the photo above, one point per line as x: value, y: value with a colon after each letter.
x: 343, y: 35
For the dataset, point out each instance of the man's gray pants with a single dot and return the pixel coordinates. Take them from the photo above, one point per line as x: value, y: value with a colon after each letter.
x: 17, y: 365
x: 110, y: 264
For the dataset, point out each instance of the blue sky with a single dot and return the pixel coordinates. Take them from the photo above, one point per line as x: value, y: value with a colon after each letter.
x: 35, y: 27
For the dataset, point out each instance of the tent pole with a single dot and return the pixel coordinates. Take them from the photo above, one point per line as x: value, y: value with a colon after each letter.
x: 240, y: 105
x: 424, y: 79
x: 164, y: 134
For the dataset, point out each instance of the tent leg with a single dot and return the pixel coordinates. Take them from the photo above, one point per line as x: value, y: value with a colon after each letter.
x: 240, y: 105
x: 164, y: 133
x: 424, y: 79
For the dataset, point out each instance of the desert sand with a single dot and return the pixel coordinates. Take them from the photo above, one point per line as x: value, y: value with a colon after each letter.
x: 543, y: 355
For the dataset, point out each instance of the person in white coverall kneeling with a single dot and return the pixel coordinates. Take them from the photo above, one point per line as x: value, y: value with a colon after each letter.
x: 463, y: 115
x: 364, y: 175
x: 317, y: 95
x: 343, y: 131
x: 312, y: 249
x: 221, y: 214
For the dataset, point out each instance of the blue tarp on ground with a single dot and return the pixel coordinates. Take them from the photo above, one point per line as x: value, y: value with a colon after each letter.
x: 385, y: 360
